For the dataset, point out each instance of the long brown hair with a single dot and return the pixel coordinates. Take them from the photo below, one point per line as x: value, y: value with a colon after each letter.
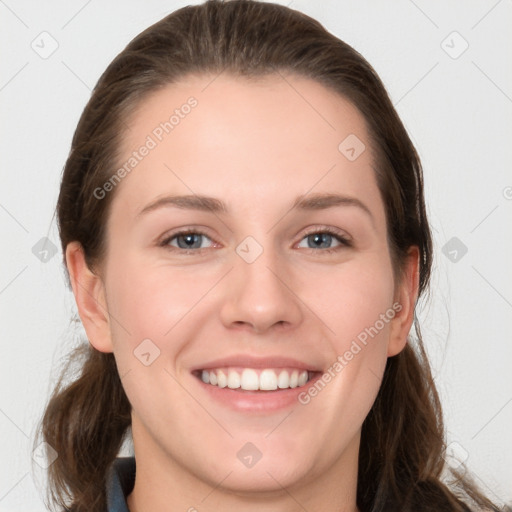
x: 86, y: 421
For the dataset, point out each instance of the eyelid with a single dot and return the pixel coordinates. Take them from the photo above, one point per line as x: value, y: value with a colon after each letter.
x: 344, y: 239
x: 165, y: 239
x: 328, y: 229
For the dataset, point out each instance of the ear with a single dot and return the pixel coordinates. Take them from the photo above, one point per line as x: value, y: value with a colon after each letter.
x: 405, y: 300
x: 89, y: 292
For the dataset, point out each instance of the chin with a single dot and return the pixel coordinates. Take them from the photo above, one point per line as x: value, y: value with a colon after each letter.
x: 262, y: 466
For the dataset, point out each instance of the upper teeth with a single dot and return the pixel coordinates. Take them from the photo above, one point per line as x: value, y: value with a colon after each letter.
x: 250, y: 379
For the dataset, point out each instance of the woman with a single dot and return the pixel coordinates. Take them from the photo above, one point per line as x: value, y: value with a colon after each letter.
x: 243, y: 223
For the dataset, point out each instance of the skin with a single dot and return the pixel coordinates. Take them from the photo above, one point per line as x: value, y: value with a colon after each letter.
x: 256, y: 146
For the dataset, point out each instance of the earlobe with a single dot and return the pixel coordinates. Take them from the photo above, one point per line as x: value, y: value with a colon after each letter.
x: 407, y: 294
x: 89, y: 292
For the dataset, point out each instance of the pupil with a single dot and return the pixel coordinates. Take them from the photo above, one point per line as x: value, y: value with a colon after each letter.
x: 318, y: 237
x: 188, y: 238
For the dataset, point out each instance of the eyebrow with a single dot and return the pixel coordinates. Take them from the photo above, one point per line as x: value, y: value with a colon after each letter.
x: 309, y: 202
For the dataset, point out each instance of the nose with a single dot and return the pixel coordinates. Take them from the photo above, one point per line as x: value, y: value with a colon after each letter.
x: 260, y: 295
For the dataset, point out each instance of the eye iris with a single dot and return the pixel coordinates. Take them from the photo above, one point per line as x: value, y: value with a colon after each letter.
x: 322, y: 238
x: 189, y: 241
x: 193, y: 240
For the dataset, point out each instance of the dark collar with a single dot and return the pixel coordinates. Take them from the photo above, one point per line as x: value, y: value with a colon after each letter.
x: 120, y: 482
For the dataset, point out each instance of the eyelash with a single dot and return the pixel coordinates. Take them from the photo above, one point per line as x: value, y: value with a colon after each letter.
x: 344, y: 242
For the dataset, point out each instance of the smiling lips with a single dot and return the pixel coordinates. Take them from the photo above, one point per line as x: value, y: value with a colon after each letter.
x: 251, y: 379
x: 257, y: 384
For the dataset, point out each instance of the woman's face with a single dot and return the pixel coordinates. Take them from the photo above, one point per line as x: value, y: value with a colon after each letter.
x: 283, y: 273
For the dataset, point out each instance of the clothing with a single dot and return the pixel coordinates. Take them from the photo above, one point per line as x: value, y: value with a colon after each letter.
x: 120, y: 482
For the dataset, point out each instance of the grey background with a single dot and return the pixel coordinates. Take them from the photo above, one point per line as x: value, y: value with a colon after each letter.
x: 457, y: 107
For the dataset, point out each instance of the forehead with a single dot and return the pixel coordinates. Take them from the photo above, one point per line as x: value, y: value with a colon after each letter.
x: 262, y: 105
x: 268, y: 137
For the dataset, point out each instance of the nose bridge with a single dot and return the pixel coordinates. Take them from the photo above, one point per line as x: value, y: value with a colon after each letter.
x: 260, y: 266
x: 258, y: 292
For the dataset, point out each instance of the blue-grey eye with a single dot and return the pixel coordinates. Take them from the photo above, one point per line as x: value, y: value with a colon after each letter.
x: 323, y: 240
x: 186, y: 240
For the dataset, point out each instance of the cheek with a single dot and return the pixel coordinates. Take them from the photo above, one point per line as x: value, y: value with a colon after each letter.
x: 350, y: 298
x: 150, y: 301
x: 151, y: 310
x: 356, y: 306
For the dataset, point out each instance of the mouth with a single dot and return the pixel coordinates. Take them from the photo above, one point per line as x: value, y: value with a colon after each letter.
x: 247, y: 383
x: 256, y: 379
